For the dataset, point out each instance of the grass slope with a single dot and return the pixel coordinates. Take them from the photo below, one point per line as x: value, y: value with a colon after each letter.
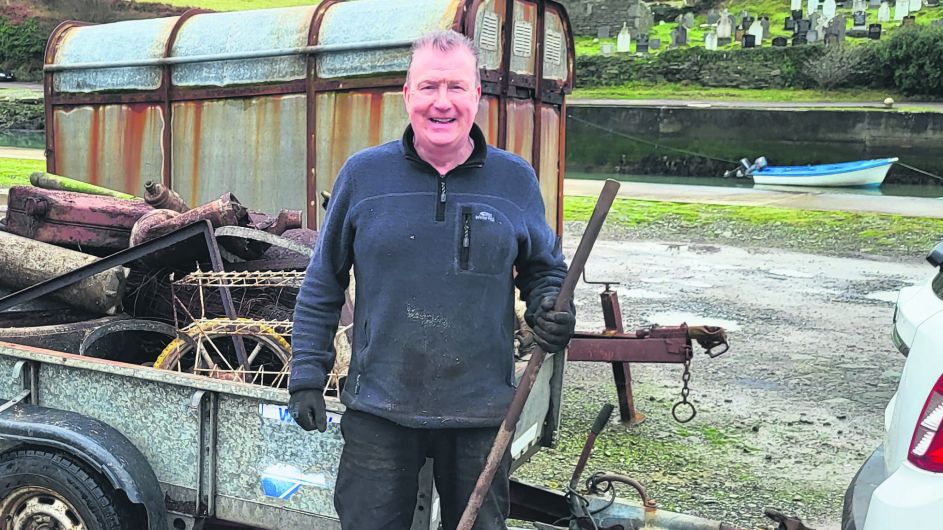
x: 16, y: 171
x: 238, y: 5
x: 680, y: 91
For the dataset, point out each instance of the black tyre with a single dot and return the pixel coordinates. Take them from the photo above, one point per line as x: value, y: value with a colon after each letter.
x: 48, y: 490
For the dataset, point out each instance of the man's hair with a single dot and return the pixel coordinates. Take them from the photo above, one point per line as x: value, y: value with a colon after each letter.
x: 445, y: 41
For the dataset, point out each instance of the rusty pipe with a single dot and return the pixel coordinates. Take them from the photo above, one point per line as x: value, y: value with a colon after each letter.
x: 164, y: 198
x: 506, y: 431
x: 224, y: 211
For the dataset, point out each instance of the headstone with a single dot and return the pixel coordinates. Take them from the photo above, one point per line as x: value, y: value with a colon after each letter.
x: 874, y: 32
x: 909, y: 20
x: 859, y: 5
x: 837, y: 26
x: 640, y: 19
x: 915, y: 5
x: 812, y: 6
x: 860, y: 20
x: 654, y: 44
x: 679, y: 36
x: 790, y: 24
x: 812, y: 36
x: 795, y: 4
x: 713, y: 16
x: 756, y: 29
x: 901, y: 9
x: 779, y: 42
x: 831, y: 39
x: 814, y: 20
x: 734, y: 24
x: 933, y: 3
x: 723, y: 28
x: 937, y: 23
x: 606, y: 49
x: 749, y: 41
x: 884, y: 12
x: 803, y: 25
x: 799, y: 39
x: 624, y: 40
x: 746, y: 22
x: 710, y: 41
x: 874, y: 4
x: 602, y: 32
x: 828, y: 9
x: 688, y: 20
x: 796, y: 14
x: 641, y: 46
x: 738, y: 35
x: 764, y: 23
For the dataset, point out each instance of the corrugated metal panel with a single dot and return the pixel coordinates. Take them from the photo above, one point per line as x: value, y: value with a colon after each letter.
x: 378, y: 21
x: 489, y: 21
x: 523, y: 38
x: 550, y: 159
x: 520, y: 139
x: 116, y: 146
x: 120, y: 41
x: 253, y: 147
x: 242, y: 31
x: 487, y: 118
x: 555, y: 48
x: 348, y: 122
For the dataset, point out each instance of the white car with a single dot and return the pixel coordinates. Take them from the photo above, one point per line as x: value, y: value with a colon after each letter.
x: 900, y: 487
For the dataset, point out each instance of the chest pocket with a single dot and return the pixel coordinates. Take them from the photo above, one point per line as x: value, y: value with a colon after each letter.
x: 485, y: 240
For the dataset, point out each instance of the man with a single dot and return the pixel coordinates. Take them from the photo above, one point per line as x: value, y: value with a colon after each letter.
x: 435, y: 225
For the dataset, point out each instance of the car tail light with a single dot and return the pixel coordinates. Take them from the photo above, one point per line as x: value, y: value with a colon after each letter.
x: 926, y: 448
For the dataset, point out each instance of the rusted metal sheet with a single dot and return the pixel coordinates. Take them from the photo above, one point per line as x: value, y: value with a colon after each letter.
x: 348, y: 122
x: 115, y: 146
x: 242, y: 31
x: 523, y: 37
x: 378, y: 20
x: 26, y: 262
x: 520, y: 127
x: 78, y: 220
x: 253, y: 147
x: 488, y: 21
x: 550, y: 148
x: 556, y: 50
x: 487, y: 118
x: 119, y: 41
x: 224, y: 211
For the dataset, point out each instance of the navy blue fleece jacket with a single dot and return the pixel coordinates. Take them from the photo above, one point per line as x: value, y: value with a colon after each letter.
x: 433, y: 257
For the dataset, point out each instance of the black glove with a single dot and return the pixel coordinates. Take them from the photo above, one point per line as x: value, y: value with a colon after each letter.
x: 307, y: 409
x: 552, y: 329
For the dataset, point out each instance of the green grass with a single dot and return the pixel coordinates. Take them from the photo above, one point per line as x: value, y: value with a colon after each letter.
x: 637, y: 90
x: 238, y: 5
x: 16, y: 94
x: 831, y: 232
x: 16, y: 171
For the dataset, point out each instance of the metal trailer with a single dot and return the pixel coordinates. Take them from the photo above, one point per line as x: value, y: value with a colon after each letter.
x: 181, y: 448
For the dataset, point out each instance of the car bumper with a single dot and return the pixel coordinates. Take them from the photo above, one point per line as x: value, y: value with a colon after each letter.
x: 909, y: 499
x: 858, y: 496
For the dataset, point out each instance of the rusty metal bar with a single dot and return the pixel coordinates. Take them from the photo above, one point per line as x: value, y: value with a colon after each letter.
x: 506, y: 431
x: 621, y: 370
x: 240, y: 56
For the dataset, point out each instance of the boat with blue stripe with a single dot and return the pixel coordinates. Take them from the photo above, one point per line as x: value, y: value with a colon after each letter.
x: 862, y: 173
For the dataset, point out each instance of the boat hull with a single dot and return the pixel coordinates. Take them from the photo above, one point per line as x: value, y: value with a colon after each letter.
x: 869, y: 173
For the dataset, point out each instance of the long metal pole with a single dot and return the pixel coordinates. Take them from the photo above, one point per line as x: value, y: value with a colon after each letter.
x: 506, y: 431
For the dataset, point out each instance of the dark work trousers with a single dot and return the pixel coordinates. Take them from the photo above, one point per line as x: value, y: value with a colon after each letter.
x: 378, y: 476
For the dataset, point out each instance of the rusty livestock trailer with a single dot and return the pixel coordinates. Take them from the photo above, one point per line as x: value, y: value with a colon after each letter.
x: 269, y: 104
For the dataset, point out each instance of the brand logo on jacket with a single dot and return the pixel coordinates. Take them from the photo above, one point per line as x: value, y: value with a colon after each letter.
x: 485, y: 216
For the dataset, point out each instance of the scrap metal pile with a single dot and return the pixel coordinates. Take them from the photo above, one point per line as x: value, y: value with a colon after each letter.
x: 207, y: 290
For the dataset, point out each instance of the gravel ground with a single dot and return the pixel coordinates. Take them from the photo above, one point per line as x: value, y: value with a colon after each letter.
x: 785, y: 418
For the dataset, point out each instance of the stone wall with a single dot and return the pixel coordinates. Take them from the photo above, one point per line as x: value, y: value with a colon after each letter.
x: 587, y: 16
x: 619, y: 139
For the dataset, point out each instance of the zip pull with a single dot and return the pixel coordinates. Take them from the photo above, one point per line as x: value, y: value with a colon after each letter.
x: 441, y: 189
x: 440, y: 204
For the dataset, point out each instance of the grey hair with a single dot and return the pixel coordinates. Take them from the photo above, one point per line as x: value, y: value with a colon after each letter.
x: 445, y: 41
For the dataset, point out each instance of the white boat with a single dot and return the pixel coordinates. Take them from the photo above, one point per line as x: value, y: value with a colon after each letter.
x: 865, y: 173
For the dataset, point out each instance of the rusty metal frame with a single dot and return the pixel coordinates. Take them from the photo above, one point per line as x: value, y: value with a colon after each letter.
x: 52, y: 45
x: 538, y: 100
x: 166, y: 82
x: 669, y: 344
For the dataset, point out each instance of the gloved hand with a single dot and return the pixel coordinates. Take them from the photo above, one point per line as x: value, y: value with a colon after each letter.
x: 552, y: 329
x: 307, y: 409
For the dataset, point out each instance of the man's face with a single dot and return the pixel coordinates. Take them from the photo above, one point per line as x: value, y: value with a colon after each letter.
x: 441, y: 97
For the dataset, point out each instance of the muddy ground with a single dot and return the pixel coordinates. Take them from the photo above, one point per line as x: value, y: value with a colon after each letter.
x: 785, y: 418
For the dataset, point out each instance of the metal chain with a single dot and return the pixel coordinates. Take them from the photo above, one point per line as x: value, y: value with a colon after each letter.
x: 685, y: 391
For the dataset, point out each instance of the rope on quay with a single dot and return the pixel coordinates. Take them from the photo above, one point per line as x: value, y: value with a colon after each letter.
x: 649, y: 142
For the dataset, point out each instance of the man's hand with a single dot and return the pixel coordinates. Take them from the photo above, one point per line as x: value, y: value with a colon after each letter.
x: 552, y: 329
x: 307, y: 409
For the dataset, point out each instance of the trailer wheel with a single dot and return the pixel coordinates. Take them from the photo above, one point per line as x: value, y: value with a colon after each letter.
x: 46, y: 490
